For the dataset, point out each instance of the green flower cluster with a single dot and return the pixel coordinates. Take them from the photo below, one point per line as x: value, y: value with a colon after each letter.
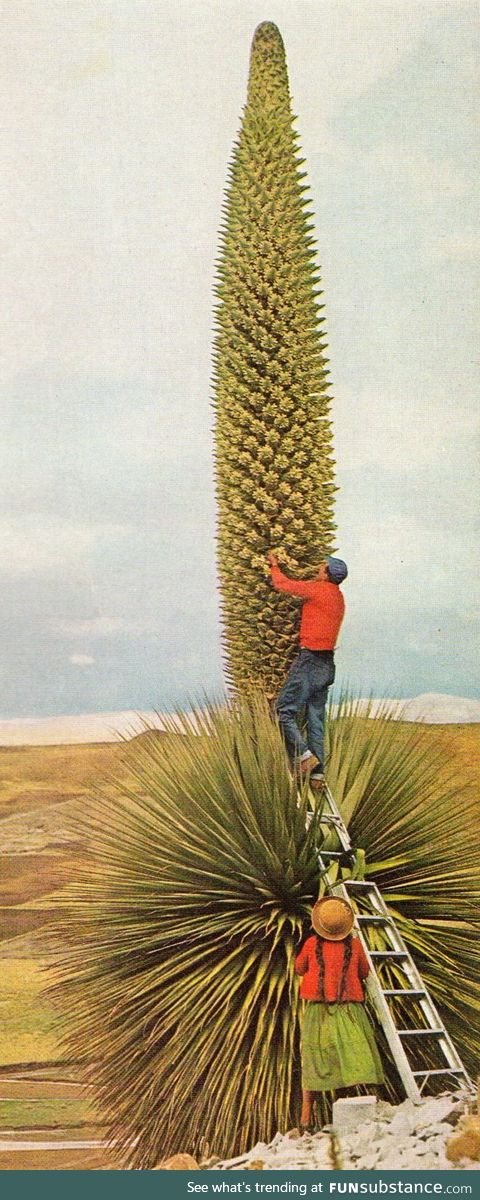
x: 274, y: 466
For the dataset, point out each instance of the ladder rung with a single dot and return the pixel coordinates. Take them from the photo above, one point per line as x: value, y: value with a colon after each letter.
x: 358, y: 883
x: 388, y: 954
x: 404, y: 992
x: 442, y: 1071
x: 331, y: 853
x: 421, y: 1032
x: 373, y: 920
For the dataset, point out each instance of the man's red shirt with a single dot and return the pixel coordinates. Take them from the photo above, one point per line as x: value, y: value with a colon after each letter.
x: 322, y: 613
x: 306, y: 964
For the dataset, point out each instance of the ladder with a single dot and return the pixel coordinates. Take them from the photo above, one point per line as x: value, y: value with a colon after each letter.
x: 371, y: 912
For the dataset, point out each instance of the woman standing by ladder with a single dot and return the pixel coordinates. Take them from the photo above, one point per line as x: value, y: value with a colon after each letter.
x: 338, y: 1041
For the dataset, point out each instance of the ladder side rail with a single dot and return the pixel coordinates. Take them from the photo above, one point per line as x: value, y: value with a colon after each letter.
x: 409, y: 967
x: 412, y: 973
x: 374, y: 898
x: 382, y: 1008
x: 412, y: 1090
x: 341, y: 829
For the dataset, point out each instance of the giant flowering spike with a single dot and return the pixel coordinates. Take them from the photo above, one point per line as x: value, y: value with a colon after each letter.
x: 274, y: 469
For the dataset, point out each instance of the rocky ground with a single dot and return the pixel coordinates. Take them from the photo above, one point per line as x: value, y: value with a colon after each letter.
x: 406, y: 1137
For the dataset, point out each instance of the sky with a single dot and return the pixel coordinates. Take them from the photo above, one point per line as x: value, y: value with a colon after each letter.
x: 119, y: 119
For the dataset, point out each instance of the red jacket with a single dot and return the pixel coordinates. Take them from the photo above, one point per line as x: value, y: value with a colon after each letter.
x: 306, y: 964
x: 322, y: 613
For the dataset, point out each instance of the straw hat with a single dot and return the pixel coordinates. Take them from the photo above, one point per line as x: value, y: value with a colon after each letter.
x: 332, y: 918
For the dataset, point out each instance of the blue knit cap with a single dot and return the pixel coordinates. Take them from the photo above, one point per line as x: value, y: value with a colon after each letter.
x: 337, y: 569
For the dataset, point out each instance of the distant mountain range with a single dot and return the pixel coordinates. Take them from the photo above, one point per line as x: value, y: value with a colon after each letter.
x: 432, y: 708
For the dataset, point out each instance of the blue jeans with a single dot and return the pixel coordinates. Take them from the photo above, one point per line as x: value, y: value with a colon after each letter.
x: 306, y: 687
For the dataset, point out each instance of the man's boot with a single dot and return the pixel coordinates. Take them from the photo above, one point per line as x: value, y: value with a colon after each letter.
x: 317, y: 780
x: 306, y: 764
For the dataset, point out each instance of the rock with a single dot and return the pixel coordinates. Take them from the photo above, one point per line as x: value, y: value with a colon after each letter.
x: 178, y: 1162
x: 421, y: 1148
x: 351, y: 1112
x: 206, y: 1164
x: 385, y: 1137
x: 392, y: 1142
x: 367, y: 1163
x: 429, y: 1163
x: 407, y: 1106
x: 259, y: 1149
x: 441, y: 1129
x: 323, y: 1155
x: 466, y: 1142
x: 228, y: 1164
x: 391, y: 1162
x: 403, y: 1122
x: 435, y: 1109
x: 385, y: 1110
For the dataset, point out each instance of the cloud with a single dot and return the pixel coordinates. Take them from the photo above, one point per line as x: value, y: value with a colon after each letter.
x: 109, y: 253
x: 103, y: 627
x: 362, y: 44
x: 400, y: 429
x: 81, y: 660
x: 401, y: 564
x: 458, y: 247
x: 35, y: 544
x: 32, y: 544
x: 426, y: 177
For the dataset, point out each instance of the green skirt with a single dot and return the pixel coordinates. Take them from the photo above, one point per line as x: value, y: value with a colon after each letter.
x: 338, y: 1047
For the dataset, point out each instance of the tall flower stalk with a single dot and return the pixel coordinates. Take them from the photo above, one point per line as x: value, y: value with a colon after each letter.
x: 274, y: 467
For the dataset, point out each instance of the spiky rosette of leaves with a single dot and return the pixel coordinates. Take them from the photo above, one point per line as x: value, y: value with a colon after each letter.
x: 177, y: 987
x: 274, y: 467
x: 175, y: 944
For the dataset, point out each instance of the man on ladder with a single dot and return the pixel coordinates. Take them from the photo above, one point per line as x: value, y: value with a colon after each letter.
x: 313, y: 670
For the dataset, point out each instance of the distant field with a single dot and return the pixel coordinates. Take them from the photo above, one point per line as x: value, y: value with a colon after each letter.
x: 27, y: 1021
x: 32, y: 777
x: 45, y: 1114
x: 461, y: 746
